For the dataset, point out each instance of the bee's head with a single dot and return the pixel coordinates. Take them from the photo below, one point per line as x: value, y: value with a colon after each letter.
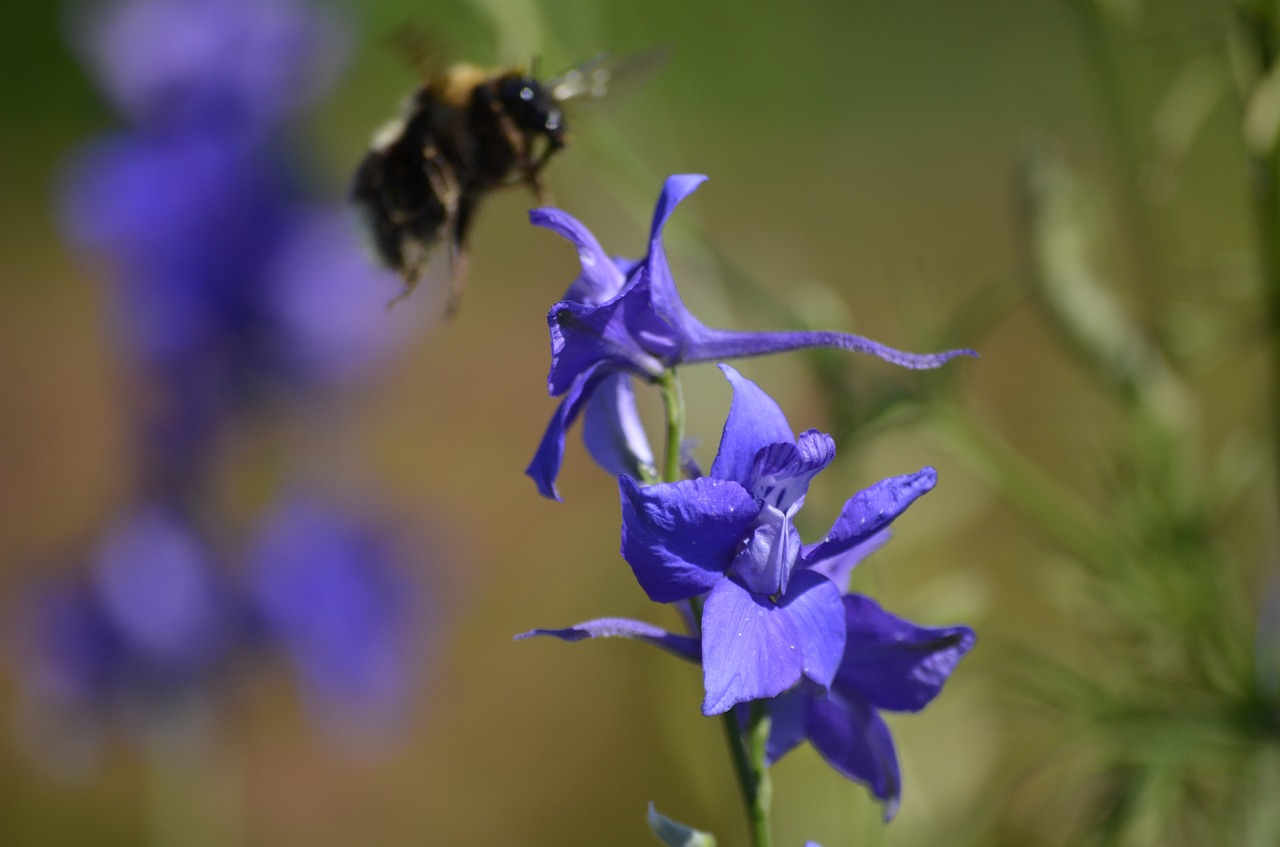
x: 532, y: 108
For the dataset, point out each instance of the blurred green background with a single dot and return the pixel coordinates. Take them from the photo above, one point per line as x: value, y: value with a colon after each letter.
x: 864, y: 162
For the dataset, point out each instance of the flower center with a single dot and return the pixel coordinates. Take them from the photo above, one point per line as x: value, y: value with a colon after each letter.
x: 766, y: 556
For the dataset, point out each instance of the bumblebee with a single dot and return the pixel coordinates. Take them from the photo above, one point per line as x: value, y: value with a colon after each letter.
x: 464, y: 133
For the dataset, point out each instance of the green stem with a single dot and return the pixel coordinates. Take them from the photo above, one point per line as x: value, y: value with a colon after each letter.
x: 757, y: 738
x: 742, y: 768
x: 673, y: 403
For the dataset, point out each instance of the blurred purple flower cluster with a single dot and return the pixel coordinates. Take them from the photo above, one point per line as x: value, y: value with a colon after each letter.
x: 221, y: 267
x: 229, y: 286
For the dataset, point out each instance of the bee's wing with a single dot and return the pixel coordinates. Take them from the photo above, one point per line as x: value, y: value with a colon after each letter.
x: 426, y: 52
x: 605, y: 73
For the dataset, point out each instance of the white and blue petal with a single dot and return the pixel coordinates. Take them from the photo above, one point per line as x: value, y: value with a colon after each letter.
x: 780, y: 473
x: 765, y: 560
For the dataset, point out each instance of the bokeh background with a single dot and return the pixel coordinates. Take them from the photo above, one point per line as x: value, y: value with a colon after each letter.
x: 875, y: 167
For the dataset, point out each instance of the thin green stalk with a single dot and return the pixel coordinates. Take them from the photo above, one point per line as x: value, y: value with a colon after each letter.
x: 757, y: 737
x: 673, y: 403
x: 747, y: 776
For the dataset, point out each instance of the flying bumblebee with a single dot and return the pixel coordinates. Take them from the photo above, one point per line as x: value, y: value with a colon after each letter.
x: 465, y: 132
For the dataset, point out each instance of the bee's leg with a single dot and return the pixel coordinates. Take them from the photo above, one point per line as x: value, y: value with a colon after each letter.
x: 443, y: 179
x: 458, y: 268
x: 410, y: 272
x: 408, y: 289
x: 526, y: 164
x: 541, y: 194
x: 459, y: 265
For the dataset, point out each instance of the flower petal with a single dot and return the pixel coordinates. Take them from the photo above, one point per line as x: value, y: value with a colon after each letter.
x: 663, y: 295
x: 674, y: 190
x: 811, y: 602
x: 755, y: 421
x: 749, y: 649
x: 753, y: 648
x: 855, y: 740
x: 871, y: 510
x: 894, y: 663
x: 781, y: 472
x: 601, y: 279
x: 622, y: 333
x: 703, y: 344
x: 765, y: 560
x: 680, y: 537
x: 681, y: 646
x: 837, y: 568
x: 787, y: 715
x: 613, y: 432
x: 545, y: 466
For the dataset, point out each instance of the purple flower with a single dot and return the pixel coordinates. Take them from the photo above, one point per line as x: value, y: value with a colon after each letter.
x: 326, y: 303
x: 627, y: 317
x: 187, y: 224
x: 157, y: 582
x: 245, y: 64
x: 222, y: 274
x: 149, y: 629
x: 889, y: 664
x: 335, y: 595
x: 771, y: 616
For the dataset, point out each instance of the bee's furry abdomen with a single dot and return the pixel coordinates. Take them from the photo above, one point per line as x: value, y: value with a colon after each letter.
x: 394, y: 192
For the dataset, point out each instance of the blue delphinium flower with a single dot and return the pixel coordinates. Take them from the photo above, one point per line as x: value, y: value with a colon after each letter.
x: 197, y: 208
x: 187, y: 223
x: 335, y: 595
x: 158, y: 581
x: 771, y: 615
x: 889, y: 664
x: 238, y: 65
x: 625, y: 317
x: 149, y: 628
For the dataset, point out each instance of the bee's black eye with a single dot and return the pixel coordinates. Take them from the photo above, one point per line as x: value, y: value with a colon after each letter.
x: 530, y: 106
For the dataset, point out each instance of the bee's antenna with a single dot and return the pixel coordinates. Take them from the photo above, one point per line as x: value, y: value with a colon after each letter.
x: 533, y: 65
